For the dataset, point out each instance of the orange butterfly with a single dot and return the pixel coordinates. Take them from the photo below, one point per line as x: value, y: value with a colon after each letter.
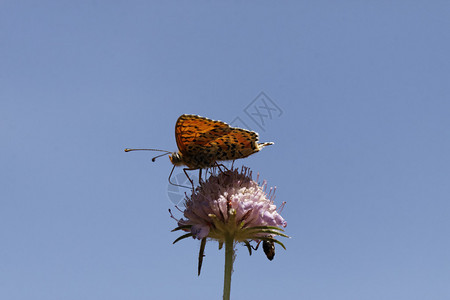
x: 203, y: 142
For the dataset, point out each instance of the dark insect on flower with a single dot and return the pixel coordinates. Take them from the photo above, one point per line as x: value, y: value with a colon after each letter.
x: 269, y: 249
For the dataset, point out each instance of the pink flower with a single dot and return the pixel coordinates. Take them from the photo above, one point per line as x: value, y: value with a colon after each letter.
x: 232, y: 204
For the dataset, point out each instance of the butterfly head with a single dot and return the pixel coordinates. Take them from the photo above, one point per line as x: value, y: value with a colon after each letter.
x: 176, y: 158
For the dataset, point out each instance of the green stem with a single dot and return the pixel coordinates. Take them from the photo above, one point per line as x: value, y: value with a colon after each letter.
x: 229, y: 259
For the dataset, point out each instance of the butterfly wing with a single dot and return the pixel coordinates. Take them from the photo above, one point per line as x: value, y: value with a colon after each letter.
x: 238, y: 143
x: 201, y: 137
x: 194, y: 134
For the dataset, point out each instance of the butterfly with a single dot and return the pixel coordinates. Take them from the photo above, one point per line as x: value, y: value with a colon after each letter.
x: 203, y: 142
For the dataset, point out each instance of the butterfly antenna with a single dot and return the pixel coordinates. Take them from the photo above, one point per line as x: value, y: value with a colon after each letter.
x: 154, y: 158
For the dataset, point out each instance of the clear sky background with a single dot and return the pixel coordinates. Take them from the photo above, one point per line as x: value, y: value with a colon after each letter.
x: 361, y: 154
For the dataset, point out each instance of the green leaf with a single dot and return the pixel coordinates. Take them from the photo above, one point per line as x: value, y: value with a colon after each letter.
x: 182, y: 227
x: 201, y: 254
x: 249, y: 247
x: 183, y: 237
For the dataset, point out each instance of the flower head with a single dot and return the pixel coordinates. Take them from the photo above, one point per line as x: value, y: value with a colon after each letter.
x: 232, y: 204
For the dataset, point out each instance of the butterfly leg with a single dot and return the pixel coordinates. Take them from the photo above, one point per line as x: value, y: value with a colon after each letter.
x: 223, y: 166
x: 174, y: 184
x: 189, y: 169
x: 225, y: 169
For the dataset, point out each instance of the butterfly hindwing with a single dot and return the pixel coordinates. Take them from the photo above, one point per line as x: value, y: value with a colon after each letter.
x: 238, y: 143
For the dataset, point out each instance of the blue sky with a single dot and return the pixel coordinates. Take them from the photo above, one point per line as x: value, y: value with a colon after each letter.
x: 361, y: 152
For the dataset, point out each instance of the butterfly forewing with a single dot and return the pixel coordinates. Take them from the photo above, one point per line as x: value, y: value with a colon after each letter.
x: 193, y: 132
x: 202, y: 141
